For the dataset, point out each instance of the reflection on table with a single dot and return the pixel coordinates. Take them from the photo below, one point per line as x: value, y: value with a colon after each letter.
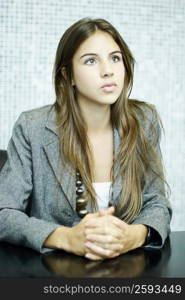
x: 127, y: 265
x: 18, y: 261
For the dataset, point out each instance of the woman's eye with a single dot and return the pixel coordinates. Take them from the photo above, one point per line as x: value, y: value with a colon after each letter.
x: 90, y: 61
x: 116, y: 58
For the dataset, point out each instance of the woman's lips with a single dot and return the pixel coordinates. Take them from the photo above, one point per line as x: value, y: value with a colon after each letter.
x: 109, y: 84
x: 108, y: 88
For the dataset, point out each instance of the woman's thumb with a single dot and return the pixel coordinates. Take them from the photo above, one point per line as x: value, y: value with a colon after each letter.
x: 109, y: 211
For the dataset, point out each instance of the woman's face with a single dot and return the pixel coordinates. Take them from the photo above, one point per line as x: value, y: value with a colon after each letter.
x: 98, y: 69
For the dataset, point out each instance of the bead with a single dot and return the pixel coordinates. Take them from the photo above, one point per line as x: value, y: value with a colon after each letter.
x: 83, y: 213
x: 78, y: 183
x: 81, y: 200
x: 79, y: 190
x: 81, y: 203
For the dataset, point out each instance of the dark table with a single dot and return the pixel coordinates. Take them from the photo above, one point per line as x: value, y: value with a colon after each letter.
x: 21, y: 262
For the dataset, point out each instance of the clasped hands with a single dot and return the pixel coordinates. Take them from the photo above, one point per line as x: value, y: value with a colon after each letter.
x: 106, y: 236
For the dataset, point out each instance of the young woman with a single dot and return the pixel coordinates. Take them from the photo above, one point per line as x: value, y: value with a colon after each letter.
x: 85, y: 175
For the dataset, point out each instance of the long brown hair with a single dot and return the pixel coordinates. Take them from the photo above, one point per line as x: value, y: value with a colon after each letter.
x: 137, y: 156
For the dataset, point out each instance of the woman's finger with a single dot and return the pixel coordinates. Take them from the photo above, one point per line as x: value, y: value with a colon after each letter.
x: 119, y: 223
x: 102, y: 239
x: 108, y: 211
x: 98, y: 250
x: 105, y: 219
x: 92, y: 256
x: 106, y: 231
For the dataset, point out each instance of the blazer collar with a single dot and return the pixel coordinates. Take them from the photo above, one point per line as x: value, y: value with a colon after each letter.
x: 51, y: 121
x: 63, y: 171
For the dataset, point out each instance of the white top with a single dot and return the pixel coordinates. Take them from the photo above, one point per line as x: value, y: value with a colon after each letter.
x: 103, y: 191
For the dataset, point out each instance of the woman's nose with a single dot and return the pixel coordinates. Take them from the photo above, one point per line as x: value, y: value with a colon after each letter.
x: 106, y: 70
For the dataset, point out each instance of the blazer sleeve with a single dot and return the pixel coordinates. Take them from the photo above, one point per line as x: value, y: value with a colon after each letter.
x: 15, y: 188
x: 156, y: 211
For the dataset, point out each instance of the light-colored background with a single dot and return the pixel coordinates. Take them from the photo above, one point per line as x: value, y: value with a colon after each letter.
x: 154, y: 30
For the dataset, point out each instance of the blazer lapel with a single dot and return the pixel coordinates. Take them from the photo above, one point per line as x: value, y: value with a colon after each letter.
x: 63, y: 171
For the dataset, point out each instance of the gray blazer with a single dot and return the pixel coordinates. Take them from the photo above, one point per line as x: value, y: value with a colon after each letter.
x: 37, y: 188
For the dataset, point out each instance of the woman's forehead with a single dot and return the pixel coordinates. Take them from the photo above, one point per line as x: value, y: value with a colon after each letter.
x: 99, y: 42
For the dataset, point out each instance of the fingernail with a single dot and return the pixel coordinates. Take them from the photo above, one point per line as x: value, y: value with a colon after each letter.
x: 87, y: 255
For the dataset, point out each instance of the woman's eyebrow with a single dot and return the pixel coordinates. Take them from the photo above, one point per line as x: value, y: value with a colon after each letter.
x: 95, y: 54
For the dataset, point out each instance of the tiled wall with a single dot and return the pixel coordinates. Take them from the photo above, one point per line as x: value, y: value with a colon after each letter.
x: 154, y: 30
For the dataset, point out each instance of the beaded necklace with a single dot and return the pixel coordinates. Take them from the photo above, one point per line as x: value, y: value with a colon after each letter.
x: 81, y: 202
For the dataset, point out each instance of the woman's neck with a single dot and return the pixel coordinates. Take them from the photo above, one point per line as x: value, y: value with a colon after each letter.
x: 97, y: 117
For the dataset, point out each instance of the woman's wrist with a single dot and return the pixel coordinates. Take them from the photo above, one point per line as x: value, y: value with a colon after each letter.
x: 140, y: 233
x: 58, y: 239
x: 144, y: 232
